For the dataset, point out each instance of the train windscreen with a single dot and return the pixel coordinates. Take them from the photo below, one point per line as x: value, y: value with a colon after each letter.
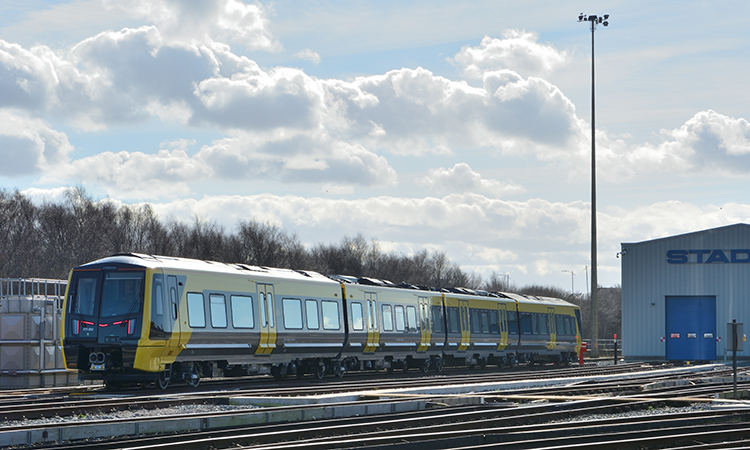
x: 122, y: 294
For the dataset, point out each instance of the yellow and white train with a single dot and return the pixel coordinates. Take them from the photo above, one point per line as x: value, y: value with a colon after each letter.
x: 142, y: 318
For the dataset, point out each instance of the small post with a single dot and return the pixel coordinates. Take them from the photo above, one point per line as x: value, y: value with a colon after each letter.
x: 580, y: 354
x: 615, y: 349
x: 734, y: 357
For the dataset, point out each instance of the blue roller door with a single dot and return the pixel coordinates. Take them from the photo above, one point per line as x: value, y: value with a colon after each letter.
x: 691, y: 328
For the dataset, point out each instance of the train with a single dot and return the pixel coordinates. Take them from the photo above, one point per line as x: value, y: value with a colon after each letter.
x: 145, y: 319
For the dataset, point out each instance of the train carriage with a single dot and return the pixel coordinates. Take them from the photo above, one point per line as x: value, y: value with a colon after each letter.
x: 390, y: 326
x: 538, y: 319
x: 478, y: 328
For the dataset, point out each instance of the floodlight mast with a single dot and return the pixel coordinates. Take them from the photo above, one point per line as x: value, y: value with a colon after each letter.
x: 594, y: 20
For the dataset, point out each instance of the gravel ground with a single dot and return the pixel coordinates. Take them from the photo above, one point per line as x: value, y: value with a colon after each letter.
x: 202, y: 409
x: 695, y: 407
x: 131, y: 414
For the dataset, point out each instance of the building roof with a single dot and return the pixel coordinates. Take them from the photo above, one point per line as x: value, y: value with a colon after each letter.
x: 743, y: 226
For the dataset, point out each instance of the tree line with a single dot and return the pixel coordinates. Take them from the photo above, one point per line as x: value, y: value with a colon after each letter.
x: 48, y: 239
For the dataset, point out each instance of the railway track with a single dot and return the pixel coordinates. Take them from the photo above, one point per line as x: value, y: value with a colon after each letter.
x: 505, y: 409
x: 47, y: 404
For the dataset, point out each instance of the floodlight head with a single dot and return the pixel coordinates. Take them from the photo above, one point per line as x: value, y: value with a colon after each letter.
x: 592, y: 18
x: 605, y: 23
x: 580, y: 18
x: 606, y: 16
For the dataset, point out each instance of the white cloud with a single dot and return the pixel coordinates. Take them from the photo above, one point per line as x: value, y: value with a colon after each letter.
x: 517, y: 51
x: 461, y: 179
x: 708, y: 143
x: 297, y: 158
x: 133, y: 175
x: 204, y: 21
x: 308, y: 55
x: 29, y: 146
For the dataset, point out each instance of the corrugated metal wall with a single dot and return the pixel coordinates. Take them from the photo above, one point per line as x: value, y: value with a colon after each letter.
x: 647, y: 278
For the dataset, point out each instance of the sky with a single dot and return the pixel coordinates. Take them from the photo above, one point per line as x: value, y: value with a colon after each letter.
x: 454, y: 126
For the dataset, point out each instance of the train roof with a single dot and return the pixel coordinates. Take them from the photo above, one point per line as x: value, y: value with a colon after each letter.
x: 155, y: 261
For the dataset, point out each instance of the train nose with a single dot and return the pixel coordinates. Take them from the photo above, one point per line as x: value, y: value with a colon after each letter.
x: 97, y: 357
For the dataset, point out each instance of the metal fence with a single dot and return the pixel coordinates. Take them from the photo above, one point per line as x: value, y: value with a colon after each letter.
x: 606, y: 347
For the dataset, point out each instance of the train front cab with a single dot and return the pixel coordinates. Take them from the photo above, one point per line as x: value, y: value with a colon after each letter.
x: 103, y: 328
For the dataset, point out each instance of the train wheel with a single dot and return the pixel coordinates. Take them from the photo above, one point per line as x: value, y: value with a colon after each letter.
x: 425, y: 365
x: 320, y: 370
x: 193, y: 380
x: 163, y: 381
x: 439, y: 365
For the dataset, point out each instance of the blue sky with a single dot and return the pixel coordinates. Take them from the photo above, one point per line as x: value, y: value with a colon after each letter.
x: 454, y: 126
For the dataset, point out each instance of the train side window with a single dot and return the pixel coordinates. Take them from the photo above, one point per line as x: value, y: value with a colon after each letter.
x: 292, y: 312
x: 526, y: 323
x: 485, y: 321
x: 437, y: 319
x: 387, y: 318
x: 411, y: 319
x: 242, y: 311
x: 535, y: 324
x: 330, y: 315
x: 358, y: 323
x: 512, y: 323
x: 173, y: 301
x: 157, y: 299
x: 570, y: 326
x: 400, y: 319
x: 263, y: 309
x: 218, y: 304
x: 494, y: 326
x: 476, y: 327
x: 311, y: 311
x: 372, y: 311
x: 196, y: 310
x: 269, y: 298
x: 453, y: 320
x: 543, y: 324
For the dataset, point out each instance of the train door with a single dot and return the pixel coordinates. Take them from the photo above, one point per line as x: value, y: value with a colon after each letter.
x: 552, y: 328
x: 267, y: 319
x: 373, y: 330
x: 502, y: 313
x: 173, y: 294
x: 463, y: 306
x: 424, y: 319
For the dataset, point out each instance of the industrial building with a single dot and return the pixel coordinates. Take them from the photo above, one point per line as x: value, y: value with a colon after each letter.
x: 680, y: 292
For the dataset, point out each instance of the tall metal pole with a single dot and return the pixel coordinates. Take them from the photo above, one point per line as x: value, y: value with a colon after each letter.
x: 593, y: 19
x: 594, y: 285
